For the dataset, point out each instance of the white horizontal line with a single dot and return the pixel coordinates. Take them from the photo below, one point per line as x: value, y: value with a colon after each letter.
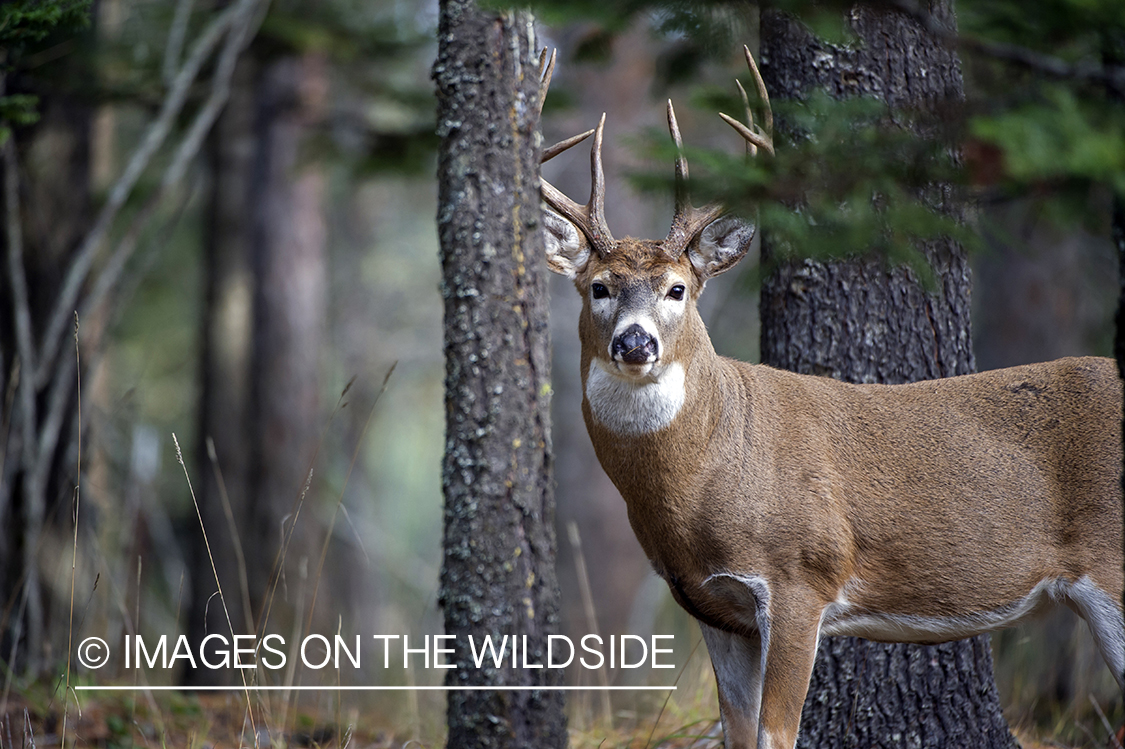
x: 164, y: 688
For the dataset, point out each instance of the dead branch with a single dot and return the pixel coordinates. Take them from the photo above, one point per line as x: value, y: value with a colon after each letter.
x: 177, y: 33
x: 233, y: 22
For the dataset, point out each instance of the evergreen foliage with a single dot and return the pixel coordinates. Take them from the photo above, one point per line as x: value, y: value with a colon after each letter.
x: 24, y: 23
x: 1044, y: 118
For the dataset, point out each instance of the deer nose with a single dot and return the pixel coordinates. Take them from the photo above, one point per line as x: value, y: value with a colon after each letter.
x: 634, y: 346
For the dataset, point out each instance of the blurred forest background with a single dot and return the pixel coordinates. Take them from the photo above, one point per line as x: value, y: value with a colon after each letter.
x: 238, y: 200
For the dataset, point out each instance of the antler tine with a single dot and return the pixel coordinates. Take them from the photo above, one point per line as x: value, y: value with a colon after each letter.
x: 546, y: 70
x: 596, y: 206
x: 751, y: 149
x: 563, y: 145
x: 687, y: 221
x: 590, y: 218
x: 754, y: 135
x: 544, y: 64
x: 681, y: 160
x: 567, y: 208
x: 763, y: 94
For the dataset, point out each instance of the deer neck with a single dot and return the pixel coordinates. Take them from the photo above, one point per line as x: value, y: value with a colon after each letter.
x: 663, y: 474
x: 647, y: 428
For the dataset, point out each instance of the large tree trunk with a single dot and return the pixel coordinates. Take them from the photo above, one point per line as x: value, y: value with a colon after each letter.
x: 861, y: 322
x: 46, y: 211
x: 262, y: 327
x: 288, y: 256
x: 498, y: 574
x: 224, y: 370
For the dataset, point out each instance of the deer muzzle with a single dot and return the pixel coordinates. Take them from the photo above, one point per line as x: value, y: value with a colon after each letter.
x: 635, y: 345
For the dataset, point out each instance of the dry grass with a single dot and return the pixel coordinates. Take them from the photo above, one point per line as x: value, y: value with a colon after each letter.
x: 196, y: 721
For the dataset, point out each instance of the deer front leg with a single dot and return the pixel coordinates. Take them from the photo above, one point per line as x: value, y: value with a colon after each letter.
x: 789, y: 664
x: 737, y: 662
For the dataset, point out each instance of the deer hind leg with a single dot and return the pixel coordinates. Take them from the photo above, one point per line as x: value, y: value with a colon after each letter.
x: 1104, y: 616
x: 737, y: 661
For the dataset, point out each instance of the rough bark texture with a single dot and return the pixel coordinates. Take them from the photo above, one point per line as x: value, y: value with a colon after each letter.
x: 498, y: 574
x: 860, y: 322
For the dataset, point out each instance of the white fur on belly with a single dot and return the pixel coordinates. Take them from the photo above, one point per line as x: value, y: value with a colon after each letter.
x: 634, y: 408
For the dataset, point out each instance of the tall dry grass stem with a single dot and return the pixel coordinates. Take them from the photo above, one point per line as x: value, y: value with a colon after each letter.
x: 340, y: 499
x: 290, y: 523
x: 1113, y: 743
x: 28, y: 730
x: 218, y: 584
x: 668, y: 696
x: 9, y: 673
x: 74, y: 554
x: 240, y: 557
x: 591, y: 614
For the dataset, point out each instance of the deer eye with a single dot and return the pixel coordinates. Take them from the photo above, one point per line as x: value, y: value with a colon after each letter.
x: 599, y: 290
x: 676, y: 292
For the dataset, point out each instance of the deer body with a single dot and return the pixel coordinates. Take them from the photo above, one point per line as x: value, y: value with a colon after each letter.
x: 922, y: 512
x: 782, y: 507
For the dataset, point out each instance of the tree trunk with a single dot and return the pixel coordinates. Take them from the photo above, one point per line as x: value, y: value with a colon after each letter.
x: 498, y: 574
x: 46, y: 214
x: 288, y: 261
x: 862, y: 322
x: 224, y: 369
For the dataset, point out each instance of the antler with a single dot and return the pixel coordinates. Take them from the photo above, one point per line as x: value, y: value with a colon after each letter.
x: 755, y: 136
x: 590, y: 218
x: 687, y: 221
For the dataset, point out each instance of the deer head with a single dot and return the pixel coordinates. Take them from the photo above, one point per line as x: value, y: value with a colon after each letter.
x: 639, y: 295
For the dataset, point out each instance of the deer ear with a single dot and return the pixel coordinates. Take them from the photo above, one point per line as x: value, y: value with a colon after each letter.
x: 567, y: 248
x: 721, y: 244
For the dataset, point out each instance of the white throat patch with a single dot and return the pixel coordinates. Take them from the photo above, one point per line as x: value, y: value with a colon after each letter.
x: 633, y: 408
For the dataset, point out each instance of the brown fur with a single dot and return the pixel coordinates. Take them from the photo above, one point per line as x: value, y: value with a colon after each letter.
x: 948, y: 499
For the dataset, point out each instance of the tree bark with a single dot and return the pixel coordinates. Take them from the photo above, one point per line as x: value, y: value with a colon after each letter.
x: 860, y: 321
x: 498, y: 574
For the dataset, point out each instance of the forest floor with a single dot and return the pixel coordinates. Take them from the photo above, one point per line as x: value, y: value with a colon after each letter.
x: 214, y: 721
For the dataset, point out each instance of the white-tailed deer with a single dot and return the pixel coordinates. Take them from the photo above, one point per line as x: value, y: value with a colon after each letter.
x: 782, y: 507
